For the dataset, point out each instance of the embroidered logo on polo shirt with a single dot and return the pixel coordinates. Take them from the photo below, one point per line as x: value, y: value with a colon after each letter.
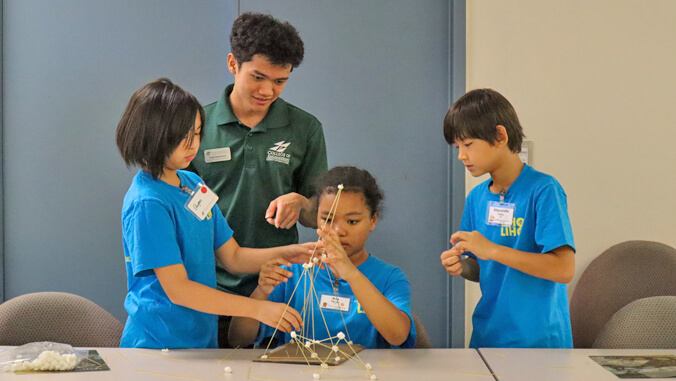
x: 277, y: 154
x: 280, y: 146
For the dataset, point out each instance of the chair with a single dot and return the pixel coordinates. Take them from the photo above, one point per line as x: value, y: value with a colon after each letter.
x: 422, y: 340
x: 648, y: 323
x: 623, y: 273
x: 59, y: 317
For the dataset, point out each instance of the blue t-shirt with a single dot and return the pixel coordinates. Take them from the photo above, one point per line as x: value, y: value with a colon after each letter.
x: 159, y: 231
x: 517, y: 309
x: 388, y: 279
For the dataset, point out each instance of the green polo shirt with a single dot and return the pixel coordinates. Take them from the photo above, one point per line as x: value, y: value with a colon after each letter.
x: 250, y: 167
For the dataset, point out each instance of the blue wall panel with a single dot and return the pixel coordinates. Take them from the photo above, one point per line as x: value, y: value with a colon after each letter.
x: 376, y: 73
x: 70, y: 67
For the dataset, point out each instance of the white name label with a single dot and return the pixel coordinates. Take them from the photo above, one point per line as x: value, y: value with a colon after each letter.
x: 333, y: 302
x: 201, y: 202
x: 500, y: 213
x: 217, y: 154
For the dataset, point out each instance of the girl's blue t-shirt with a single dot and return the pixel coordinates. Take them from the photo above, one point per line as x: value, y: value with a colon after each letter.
x: 159, y: 231
x: 354, y: 323
x: 517, y: 309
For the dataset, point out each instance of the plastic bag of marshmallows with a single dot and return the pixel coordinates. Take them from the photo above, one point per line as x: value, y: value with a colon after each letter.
x: 40, y: 356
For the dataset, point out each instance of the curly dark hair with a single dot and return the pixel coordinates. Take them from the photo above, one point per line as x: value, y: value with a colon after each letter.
x: 257, y: 33
x: 354, y: 180
x: 475, y: 116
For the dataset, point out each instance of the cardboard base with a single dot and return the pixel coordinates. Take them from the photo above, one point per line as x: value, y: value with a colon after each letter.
x: 293, y: 353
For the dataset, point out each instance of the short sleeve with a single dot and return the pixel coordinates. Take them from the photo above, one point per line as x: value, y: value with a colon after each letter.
x: 398, y: 292
x: 151, y: 238
x: 314, y: 161
x: 552, y: 225
x: 222, y: 231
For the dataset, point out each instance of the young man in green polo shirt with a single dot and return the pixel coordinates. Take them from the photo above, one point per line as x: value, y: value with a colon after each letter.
x: 260, y: 154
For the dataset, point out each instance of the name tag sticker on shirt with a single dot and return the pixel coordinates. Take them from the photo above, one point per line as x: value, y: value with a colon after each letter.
x: 335, y: 303
x: 500, y: 213
x: 201, y: 200
x: 217, y: 154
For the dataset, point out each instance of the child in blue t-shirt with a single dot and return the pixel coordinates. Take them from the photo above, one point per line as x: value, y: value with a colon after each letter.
x: 173, y: 235
x: 360, y: 295
x: 515, y: 231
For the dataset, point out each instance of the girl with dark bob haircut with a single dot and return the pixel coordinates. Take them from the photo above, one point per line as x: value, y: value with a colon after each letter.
x: 375, y: 296
x: 173, y: 233
x: 158, y: 117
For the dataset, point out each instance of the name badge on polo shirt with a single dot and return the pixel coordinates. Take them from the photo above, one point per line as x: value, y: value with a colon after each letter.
x: 500, y: 213
x: 217, y: 154
x: 335, y: 302
x: 201, y: 200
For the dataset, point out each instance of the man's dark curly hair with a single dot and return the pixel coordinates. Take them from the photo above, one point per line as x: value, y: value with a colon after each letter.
x: 257, y: 33
x: 354, y: 180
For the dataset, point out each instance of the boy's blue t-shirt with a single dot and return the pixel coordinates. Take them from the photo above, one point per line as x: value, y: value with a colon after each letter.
x: 517, y: 309
x: 159, y: 231
x: 388, y: 279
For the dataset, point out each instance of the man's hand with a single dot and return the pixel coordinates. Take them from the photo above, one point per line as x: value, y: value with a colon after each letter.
x: 285, y: 210
x: 475, y: 243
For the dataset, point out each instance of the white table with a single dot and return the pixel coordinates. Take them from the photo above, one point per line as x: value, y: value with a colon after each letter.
x: 208, y: 364
x: 557, y: 364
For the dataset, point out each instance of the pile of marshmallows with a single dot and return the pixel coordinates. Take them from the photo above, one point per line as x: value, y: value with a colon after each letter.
x: 48, y: 360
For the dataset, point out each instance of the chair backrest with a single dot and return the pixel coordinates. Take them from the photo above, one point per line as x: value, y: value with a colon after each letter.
x: 623, y: 273
x: 422, y: 340
x: 648, y: 323
x: 59, y: 317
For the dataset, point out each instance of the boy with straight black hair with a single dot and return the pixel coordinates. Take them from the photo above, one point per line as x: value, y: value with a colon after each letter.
x: 515, y: 231
x: 260, y: 154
